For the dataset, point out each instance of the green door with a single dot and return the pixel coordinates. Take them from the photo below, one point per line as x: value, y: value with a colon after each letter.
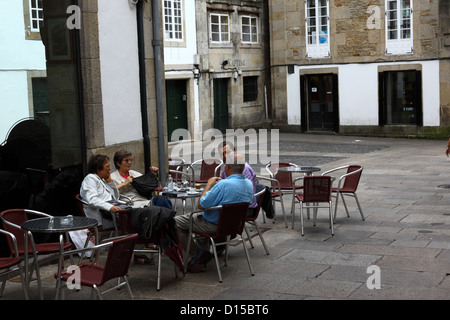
x: 176, y: 106
x: 40, y: 99
x: 221, y: 104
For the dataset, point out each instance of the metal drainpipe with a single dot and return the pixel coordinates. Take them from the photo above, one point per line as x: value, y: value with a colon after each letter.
x: 143, y: 84
x: 156, y: 6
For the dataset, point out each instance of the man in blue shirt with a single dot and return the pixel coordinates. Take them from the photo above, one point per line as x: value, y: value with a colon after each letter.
x: 249, y: 173
x: 234, y: 189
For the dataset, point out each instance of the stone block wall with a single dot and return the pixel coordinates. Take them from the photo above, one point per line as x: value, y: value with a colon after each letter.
x: 357, y: 35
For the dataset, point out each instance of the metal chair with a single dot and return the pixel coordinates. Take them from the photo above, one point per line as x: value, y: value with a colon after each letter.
x: 176, y: 170
x: 347, y: 186
x: 286, y: 180
x: 12, y: 264
x: 94, y: 275
x: 316, y: 194
x: 252, y: 220
x: 12, y: 220
x: 209, y: 167
x: 126, y: 227
x: 231, y: 222
x: 277, y: 195
x: 114, y: 230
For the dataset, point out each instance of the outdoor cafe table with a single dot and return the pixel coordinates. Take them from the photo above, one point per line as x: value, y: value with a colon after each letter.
x: 180, y: 195
x: 58, y: 224
x: 308, y: 171
x: 179, y: 163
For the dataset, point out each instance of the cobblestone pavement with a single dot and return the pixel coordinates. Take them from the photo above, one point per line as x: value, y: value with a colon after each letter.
x: 405, y: 236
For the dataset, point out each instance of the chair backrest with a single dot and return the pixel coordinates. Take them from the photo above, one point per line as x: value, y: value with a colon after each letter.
x: 13, y: 239
x: 80, y: 204
x: 208, y: 168
x: 259, y: 201
x: 283, y: 177
x: 317, y: 189
x: 272, y: 167
x: 351, y: 181
x: 17, y: 217
x: 119, y: 257
x: 232, y: 219
x: 176, y: 176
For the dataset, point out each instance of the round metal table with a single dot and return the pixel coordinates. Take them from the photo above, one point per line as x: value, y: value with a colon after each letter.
x: 58, y: 224
x: 307, y: 170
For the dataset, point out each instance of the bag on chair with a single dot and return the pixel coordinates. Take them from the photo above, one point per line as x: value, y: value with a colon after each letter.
x: 145, y: 184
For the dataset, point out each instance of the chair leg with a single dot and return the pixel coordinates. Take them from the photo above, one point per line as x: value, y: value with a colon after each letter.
x: 4, y: 278
x: 314, y: 215
x: 345, y: 204
x: 293, y: 215
x: 158, y: 281
x: 98, y: 292
x: 359, y: 206
x: 331, y: 219
x: 248, y: 256
x: 38, y: 276
x: 282, y: 209
x: 92, y: 293
x: 301, y: 218
x: 186, y: 254
x: 227, y: 246
x: 216, y: 258
x: 23, y: 279
x: 261, y: 237
x: 335, y: 207
x: 292, y: 203
x: 249, y: 238
x: 275, y: 213
x: 128, y: 288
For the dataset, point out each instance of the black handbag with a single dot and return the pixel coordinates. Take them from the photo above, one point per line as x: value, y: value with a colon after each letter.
x: 145, y: 184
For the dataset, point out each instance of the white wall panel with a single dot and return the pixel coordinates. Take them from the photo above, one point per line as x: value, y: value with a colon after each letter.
x: 119, y: 71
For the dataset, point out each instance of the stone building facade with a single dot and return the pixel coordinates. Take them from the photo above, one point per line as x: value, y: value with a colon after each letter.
x: 377, y: 67
x: 120, y: 84
x: 232, y: 45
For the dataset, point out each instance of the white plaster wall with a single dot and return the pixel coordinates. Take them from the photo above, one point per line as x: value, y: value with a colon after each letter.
x: 430, y: 93
x: 184, y: 54
x: 119, y: 66
x: 358, y: 93
x: 15, y: 51
x: 293, y: 97
x: 14, y: 100
x: 17, y: 55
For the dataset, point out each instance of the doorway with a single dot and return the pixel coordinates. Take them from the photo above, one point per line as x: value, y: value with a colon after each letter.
x: 400, y: 95
x: 176, y: 98
x: 221, y: 104
x: 320, y: 102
